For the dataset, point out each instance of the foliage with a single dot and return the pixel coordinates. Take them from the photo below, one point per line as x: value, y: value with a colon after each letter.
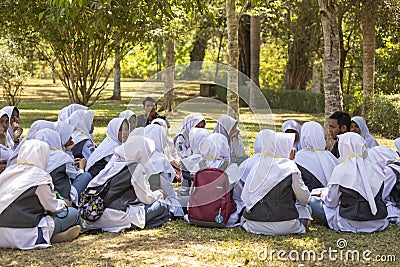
x: 12, y: 72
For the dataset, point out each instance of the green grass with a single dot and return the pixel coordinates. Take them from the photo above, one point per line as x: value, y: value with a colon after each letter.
x: 176, y: 243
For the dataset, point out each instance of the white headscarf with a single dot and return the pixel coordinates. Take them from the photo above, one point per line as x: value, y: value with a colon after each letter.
x: 135, y: 149
x: 64, y: 113
x: 369, y: 139
x: 272, y: 167
x: 383, y: 156
x: 64, y: 130
x: 106, y: 147
x: 35, y: 127
x: 28, y: 172
x: 9, y: 110
x: 356, y: 171
x: 215, y: 149
x: 313, y: 156
x: 225, y: 125
x: 189, y: 122
x: 127, y: 114
x: 397, y: 143
x: 196, y: 135
x: 139, y: 131
x: 293, y: 125
x: 158, y: 162
x: 82, y: 121
x: 57, y: 156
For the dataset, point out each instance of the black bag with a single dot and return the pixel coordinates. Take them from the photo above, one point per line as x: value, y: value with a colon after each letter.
x: 91, y: 203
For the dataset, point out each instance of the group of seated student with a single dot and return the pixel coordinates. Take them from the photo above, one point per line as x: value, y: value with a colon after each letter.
x: 290, y: 180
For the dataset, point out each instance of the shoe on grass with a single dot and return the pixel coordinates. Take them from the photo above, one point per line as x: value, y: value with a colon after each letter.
x: 68, y: 235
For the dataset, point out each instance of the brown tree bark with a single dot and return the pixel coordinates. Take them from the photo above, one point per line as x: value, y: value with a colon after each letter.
x: 233, y: 55
x: 330, y: 63
x: 369, y: 8
x: 168, y: 102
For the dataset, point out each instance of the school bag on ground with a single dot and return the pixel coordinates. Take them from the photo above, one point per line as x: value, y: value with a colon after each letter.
x: 210, y: 201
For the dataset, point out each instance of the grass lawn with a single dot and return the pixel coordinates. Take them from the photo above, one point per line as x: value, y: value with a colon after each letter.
x: 178, y: 244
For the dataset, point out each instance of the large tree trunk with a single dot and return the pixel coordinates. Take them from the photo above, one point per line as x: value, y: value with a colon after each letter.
x: 330, y: 63
x: 232, y: 91
x: 369, y: 8
x: 244, y: 46
x: 159, y: 59
x: 117, y: 76
x: 255, y: 44
x: 301, y: 49
x: 168, y: 103
x: 198, y: 53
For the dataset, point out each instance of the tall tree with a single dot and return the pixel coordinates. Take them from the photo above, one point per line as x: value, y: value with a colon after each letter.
x: 168, y: 102
x: 232, y: 92
x: 330, y: 62
x: 255, y: 43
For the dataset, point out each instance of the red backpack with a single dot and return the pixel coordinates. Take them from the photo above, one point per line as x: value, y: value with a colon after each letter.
x: 210, y: 201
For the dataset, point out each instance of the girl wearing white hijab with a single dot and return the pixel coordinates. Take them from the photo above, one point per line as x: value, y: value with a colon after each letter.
x: 117, y: 133
x: 27, y: 198
x: 315, y: 163
x: 14, y: 129
x: 388, y: 162
x: 358, y: 125
x: 397, y: 144
x: 65, y: 112
x: 159, y: 169
x: 190, y: 165
x: 181, y: 139
x: 130, y: 116
x: 272, y: 188
x: 353, y: 201
x: 228, y: 127
x: 292, y: 126
x: 5, y: 151
x: 136, y: 206
x: 67, y: 180
x: 35, y: 126
x: 82, y: 120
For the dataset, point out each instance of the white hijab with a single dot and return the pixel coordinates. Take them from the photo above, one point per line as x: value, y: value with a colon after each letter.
x: 82, y: 121
x: 57, y: 156
x: 106, y: 147
x: 215, y: 150
x: 28, y: 172
x: 64, y: 130
x: 9, y: 110
x: 35, y: 127
x: 382, y: 156
x: 158, y: 162
x: 135, y: 149
x: 127, y: 114
x: 369, y: 139
x: 293, y: 125
x: 196, y: 135
x: 139, y: 131
x: 65, y: 112
x: 259, y: 143
x: 356, y: 171
x: 313, y: 156
x: 271, y: 168
x: 225, y: 125
x: 189, y: 122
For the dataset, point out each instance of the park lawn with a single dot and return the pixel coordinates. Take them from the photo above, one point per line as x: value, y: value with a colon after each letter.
x: 179, y: 244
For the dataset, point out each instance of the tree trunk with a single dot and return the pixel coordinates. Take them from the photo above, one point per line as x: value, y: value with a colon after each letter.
x: 369, y: 8
x: 197, y: 54
x: 168, y: 103
x: 159, y: 59
x: 233, y: 55
x: 330, y: 63
x: 244, y: 46
x: 255, y: 44
x: 117, y: 76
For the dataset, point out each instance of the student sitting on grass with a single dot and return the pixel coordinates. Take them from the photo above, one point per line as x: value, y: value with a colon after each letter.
x: 5, y: 151
x: 315, y: 163
x: 82, y: 120
x: 358, y: 125
x: 160, y: 171
x: 129, y: 202
x: 388, y: 162
x: 274, y: 195
x: 353, y: 201
x: 68, y: 180
x: 14, y: 129
x: 30, y: 214
x: 181, y: 139
x: 117, y: 133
